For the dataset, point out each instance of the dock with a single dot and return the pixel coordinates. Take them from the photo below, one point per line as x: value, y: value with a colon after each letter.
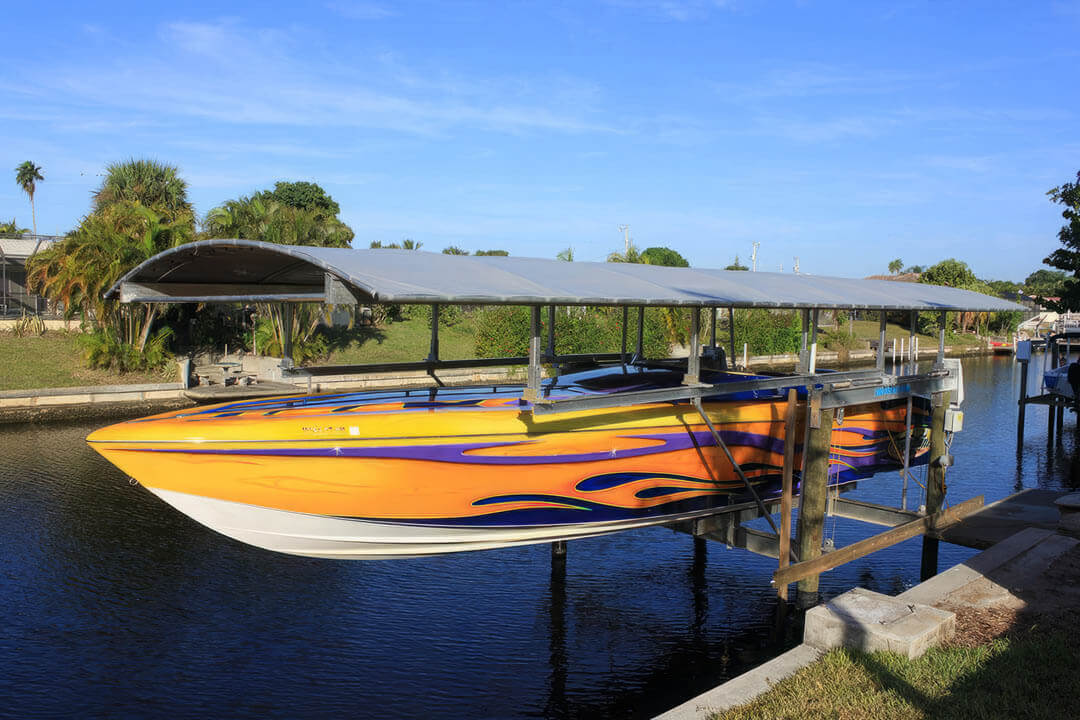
x: 1030, y: 508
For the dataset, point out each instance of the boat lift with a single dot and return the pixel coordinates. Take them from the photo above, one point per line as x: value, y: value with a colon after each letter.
x: 250, y: 271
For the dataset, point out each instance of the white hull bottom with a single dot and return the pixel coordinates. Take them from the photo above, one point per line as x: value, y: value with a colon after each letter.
x: 350, y: 539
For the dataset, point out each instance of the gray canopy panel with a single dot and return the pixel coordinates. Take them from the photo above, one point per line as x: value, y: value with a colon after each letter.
x: 248, y: 271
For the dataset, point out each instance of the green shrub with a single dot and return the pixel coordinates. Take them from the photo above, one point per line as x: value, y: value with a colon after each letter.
x: 304, y: 350
x: 503, y: 331
x: 104, y: 349
x: 449, y: 315
x: 768, y: 332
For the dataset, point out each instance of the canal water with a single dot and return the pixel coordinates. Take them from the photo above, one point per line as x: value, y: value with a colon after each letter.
x: 113, y: 604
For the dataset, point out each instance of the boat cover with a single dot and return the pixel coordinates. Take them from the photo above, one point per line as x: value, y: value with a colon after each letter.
x: 248, y: 270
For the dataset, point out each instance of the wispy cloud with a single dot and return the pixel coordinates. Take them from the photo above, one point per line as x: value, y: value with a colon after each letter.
x: 241, y: 75
x: 361, y: 10
x: 675, y: 10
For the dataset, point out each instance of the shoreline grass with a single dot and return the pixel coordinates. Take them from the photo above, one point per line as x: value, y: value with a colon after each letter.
x: 1030, y: 672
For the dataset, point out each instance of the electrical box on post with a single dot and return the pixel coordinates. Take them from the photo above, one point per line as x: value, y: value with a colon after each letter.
x: 954, y: 420
x: 1023, y: 351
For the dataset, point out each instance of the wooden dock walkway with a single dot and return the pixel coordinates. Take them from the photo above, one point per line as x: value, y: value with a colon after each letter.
x: 1031, y: 508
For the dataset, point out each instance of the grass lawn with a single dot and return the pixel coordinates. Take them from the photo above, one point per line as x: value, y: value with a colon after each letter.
x: 869, y: 329
x: 405, y: 341
x: 56, y: 360
x: 1030, y: 673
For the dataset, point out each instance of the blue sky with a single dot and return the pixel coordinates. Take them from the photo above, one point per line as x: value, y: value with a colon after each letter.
x: 846, y: 134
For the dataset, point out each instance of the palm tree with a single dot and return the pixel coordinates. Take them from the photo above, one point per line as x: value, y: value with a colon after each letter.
x: 631, y: 255
x: 260, y: 217
x: 26, y: 177
x: 149, y: 183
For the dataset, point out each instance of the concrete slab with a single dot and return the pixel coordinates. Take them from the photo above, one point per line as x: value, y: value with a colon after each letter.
x: 871, y: 622
x: 997, y: 521
x: 746, y: 687
x: 1069, y: 508
x: 1006, y: 574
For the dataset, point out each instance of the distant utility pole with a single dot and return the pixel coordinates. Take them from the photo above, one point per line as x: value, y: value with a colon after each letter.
x: 626, y: 238
x: 753, y: 256
x: 796, y: 264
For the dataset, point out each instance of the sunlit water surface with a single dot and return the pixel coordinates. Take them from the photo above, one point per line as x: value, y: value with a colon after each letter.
x: 113, y: 604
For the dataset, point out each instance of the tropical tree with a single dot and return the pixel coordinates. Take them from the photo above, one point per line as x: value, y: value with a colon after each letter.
x: 1045, y: 283
x: 291, y: 214
x: 11, y: 228
x: 406, y: 244
x: 663, y: 256
x: 736, y: 265
x: 566, y: 255
x: 27, y: 175
x: 304, y: 196
x: 895, y: 266
x: 630, y: 255
x: 140, y: 210
x: 81, y: 268
x: 951, y: 272
x: 1067, y: 257
x: 153, y: 185
x: 454, y: 250
x: 501, y: 253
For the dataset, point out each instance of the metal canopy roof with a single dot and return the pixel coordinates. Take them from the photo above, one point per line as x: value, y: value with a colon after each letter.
x: 248, y: 271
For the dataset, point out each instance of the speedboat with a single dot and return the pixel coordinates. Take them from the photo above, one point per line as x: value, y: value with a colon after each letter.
x: 384, y: 474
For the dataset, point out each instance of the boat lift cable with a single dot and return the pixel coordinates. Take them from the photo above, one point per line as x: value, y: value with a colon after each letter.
x: 739, y: 471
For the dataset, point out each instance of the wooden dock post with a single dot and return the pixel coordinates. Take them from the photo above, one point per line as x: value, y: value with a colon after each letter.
x: 1023, y: 406
x: 790, y: 435
x: 1050, y: 423
x: 812, y: 499
x: 558, y: 558
x: 935, y: 479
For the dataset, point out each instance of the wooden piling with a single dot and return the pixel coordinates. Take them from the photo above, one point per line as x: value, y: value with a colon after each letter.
x: 1023, y: 405
x: 935, y: 479
x: 813, y: 497
x: 790, y: 435
x: 1050, y: 423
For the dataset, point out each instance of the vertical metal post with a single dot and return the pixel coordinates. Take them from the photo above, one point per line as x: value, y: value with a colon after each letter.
x: 731, y: 338
x: 640, y: 352
x: 813, y: 500
x: 712, y: 322
x: 812, y: 365
x: 804, y: 359
x: 625, y: 320
x: 935, y: 479
x: 911, y: 342
x: 693, y: 363
x: 940, y: 362
x: 551, y: 333
x: 286, y: 332
x: 535, y: 372
x: 433, y: 352
x: 881, y: 342
x: 790, y: 432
